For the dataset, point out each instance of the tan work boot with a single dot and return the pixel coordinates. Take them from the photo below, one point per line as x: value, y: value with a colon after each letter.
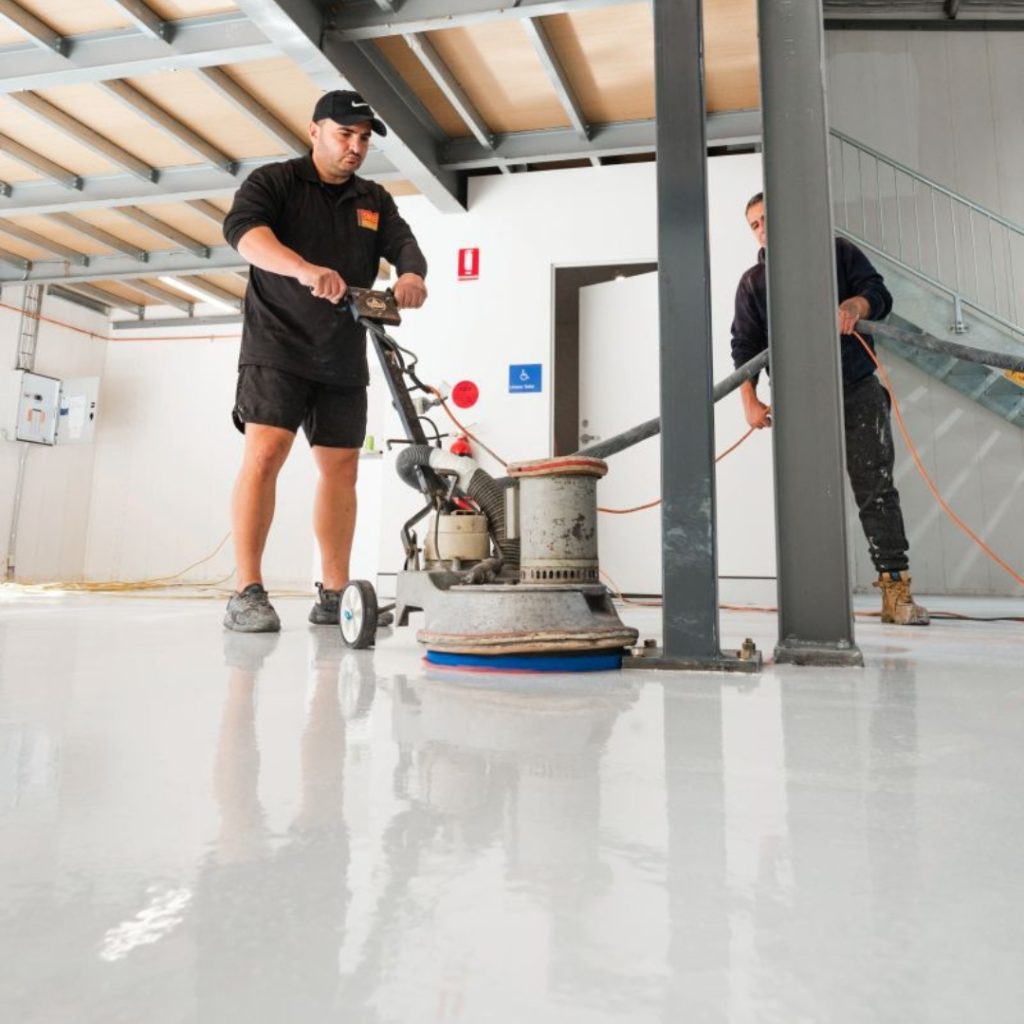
x: 898, y: 604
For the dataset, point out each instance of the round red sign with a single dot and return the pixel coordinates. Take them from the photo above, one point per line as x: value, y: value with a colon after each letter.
x: 465, y: 394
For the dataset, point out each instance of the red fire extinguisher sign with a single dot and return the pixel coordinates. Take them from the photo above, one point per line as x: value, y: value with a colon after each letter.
x: 469, y: 264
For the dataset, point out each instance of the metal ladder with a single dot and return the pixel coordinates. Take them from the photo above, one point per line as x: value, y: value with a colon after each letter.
x: 28, y: 341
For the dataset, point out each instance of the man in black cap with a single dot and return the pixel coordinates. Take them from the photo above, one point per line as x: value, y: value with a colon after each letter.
x: 310, y: 227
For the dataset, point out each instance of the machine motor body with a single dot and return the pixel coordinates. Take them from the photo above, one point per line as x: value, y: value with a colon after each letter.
x: 507, y: 566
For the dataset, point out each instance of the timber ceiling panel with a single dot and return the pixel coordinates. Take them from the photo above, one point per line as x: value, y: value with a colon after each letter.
x: 397, y: 53
x: 608, y: 56
x: 284, y: 89
x: 730, y: 56
x: 62, y: 235
x: 70, y: 19
x: 174, y: 10
x: 188, y: 99
x: 184, y: 218
x: 552, y: 79
x: 49, y: 141
x: 122, y: 228
x: 94, y: 106
x: 499, y: 69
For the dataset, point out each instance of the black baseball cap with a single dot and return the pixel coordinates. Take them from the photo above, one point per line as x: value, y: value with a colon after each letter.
x: 347, y: 107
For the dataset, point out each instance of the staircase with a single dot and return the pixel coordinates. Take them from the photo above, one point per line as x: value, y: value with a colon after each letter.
x: 955, y: 269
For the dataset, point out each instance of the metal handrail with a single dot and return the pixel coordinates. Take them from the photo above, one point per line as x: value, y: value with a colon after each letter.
x: 1013, y: 328
x: 925, y: 180
x: 945, y: 239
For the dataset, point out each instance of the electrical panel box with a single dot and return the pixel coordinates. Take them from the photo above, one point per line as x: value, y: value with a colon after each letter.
x: 76, y: 418
x: 30, y: 407
x: 45, y: 410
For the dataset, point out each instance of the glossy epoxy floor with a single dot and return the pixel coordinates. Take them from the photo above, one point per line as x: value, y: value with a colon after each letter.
x: 196, y: 826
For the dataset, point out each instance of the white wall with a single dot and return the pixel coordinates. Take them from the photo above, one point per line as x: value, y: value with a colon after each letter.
x: 167, y: 453
x: 976, y: 460
x: 526, y: 225
x: 946, y: 104
x: 51, y: 535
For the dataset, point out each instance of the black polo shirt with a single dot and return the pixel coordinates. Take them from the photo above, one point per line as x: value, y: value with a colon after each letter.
x: 348, y: 228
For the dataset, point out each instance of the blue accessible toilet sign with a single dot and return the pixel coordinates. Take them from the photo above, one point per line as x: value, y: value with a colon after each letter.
x: 524, y: 377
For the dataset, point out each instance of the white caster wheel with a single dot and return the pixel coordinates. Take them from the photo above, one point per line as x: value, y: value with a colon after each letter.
x: 358, y: 614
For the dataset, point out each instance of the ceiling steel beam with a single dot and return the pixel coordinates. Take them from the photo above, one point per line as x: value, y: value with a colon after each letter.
x: 947, y: 16
x: 38, y: 31
x: 159, y: 117
x: 84, y: 134
x: 243, y: 101
x: 211, y: 289
x: 99, y: 235
x: 208, y: 210
x: 177, y: 321
x: 144, y: 18
x: 298, y: 27
x: 349, y: 23
x: 8, y: 227
x: 176, y: 185
x: 557, y: 76
x: 109, y: 268
x: 625, y: 138
x: 837, y: 22
x: 126, y: 53
x: 14, y: 260
x: 158, y: 227
x: 38, y: 163
x: 111, y: 299
x: 163, y: 295
x: 448, y: 84
x: 79, y: 300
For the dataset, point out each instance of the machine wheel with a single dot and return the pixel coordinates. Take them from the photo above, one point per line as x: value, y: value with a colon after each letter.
x: 358, y: 614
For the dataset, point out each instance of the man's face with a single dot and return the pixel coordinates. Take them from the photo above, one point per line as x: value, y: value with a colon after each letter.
x: 339, y: 149
x: 755, y: 218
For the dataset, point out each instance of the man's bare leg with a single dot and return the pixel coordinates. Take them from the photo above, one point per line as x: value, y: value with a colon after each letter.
x: 334, y: 511
x: 252, y: 506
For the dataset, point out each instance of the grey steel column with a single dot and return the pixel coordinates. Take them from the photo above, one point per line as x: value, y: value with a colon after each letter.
x: 815, y: 616
x: 689, y: 557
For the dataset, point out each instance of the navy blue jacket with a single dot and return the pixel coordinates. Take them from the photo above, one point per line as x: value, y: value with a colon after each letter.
x: 854, y: 276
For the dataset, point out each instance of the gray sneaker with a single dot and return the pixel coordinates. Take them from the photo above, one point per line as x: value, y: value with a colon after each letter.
x: 326, y: 611
x: 251, y: 612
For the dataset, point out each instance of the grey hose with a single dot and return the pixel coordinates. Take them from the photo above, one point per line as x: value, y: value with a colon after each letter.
x: 1000, y: 360
x: 482, y: 488
x: 628, y: 438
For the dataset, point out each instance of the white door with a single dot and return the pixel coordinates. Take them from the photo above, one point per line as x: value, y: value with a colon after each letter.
x: 618, y: 390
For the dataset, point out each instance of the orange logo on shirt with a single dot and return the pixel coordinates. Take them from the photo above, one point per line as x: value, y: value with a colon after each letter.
x: 368, y: 219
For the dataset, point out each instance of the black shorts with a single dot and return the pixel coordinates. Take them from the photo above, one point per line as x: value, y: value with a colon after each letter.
x: 334, y: 417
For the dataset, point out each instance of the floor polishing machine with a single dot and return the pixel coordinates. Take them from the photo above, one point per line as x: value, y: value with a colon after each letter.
x: 507, y: 573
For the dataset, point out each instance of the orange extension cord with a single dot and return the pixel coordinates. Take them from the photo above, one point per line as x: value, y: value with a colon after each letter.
x: 936, y: 494
x: 106, y: 337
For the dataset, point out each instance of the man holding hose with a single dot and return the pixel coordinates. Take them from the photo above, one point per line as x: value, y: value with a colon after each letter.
x: 870, y: 455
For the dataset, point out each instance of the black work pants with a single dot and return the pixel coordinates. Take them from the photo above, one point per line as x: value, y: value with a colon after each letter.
x: 869, y: 463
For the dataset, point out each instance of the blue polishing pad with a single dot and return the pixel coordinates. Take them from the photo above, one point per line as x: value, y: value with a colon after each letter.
x: 571, y: 661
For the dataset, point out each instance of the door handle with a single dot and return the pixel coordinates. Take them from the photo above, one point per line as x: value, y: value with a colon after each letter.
x: 587, y: 438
